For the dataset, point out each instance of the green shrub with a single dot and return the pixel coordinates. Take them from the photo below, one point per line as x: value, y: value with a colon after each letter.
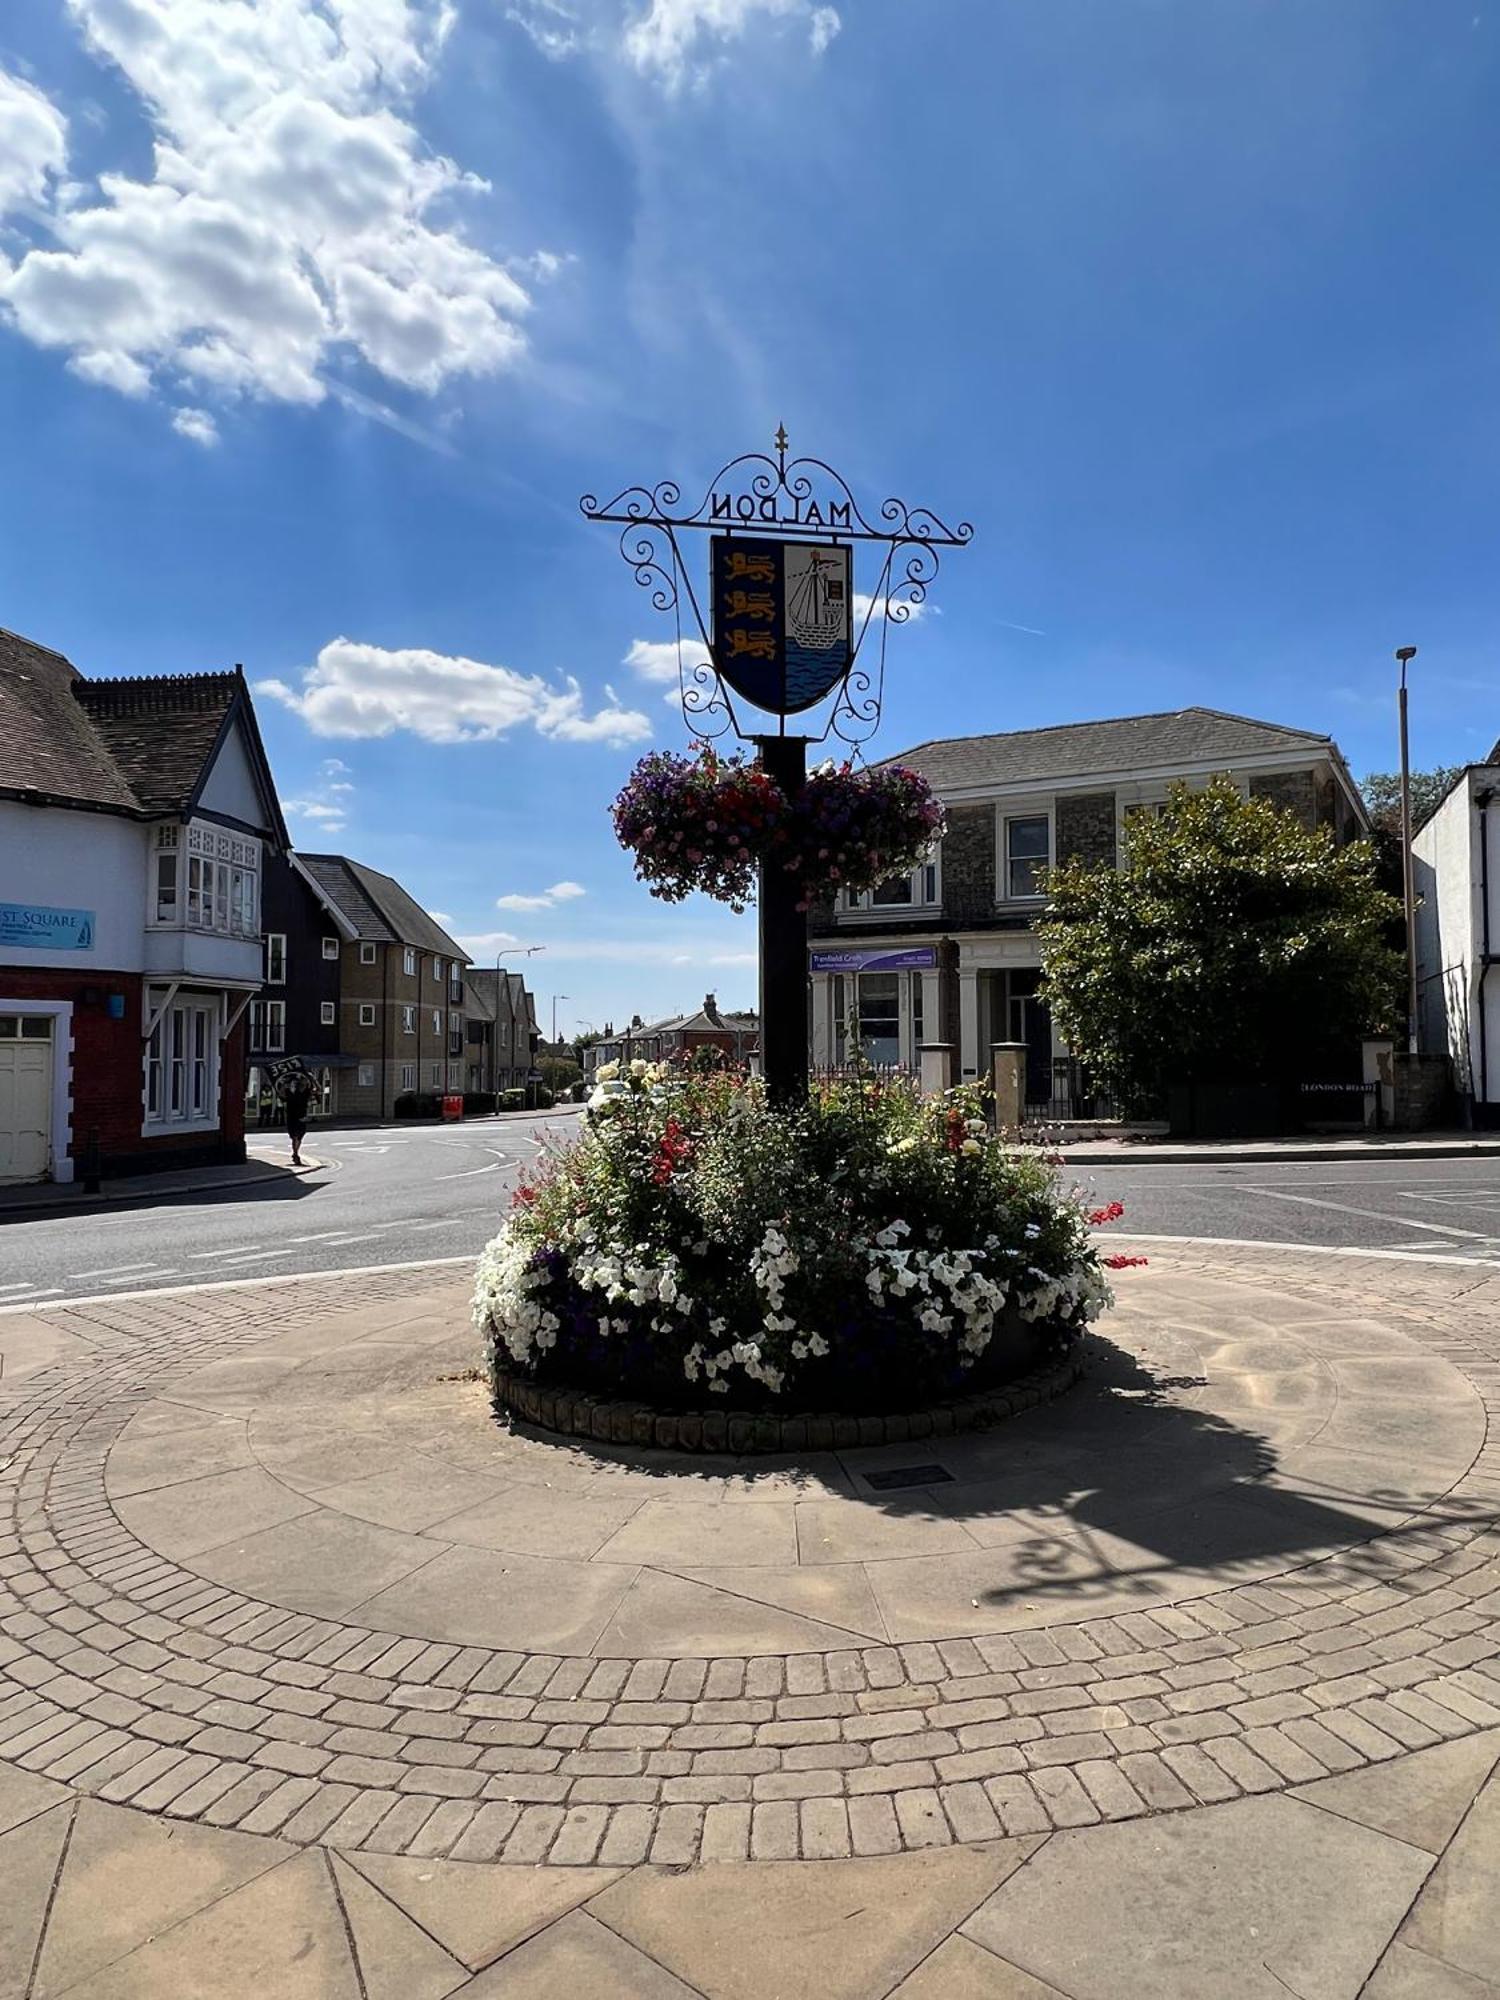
x: 869, y: 1250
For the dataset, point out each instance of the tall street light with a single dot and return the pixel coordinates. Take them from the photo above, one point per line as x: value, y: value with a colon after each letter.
x: 555, y: 998
x: 1405, y: 654
x: 508, y: 951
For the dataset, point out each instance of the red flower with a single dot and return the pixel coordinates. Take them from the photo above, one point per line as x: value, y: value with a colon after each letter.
x: 1122, y: 1263
x: 1111, y: 1212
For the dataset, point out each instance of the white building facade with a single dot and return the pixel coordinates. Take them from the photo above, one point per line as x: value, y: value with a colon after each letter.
x: 1456, y: 870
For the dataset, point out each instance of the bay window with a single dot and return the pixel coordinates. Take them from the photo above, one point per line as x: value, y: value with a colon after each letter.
x: 207, y: 879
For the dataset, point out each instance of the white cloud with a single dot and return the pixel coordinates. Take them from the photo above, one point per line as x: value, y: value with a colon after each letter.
x: 862, y: 604
x: 326, y: 806
x: 287, y: 218
x: 656, y: 659
x: 673, y: 40
x: 484, y: 944
x: 35, y: 149
x: 355, y: 690
x: 197, y: 425
x: 440, y: 917
x: 560, y: 892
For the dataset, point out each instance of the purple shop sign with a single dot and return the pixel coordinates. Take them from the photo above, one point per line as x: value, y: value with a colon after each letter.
x: 922, y: 955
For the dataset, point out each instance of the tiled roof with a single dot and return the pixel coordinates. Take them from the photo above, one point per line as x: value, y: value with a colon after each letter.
x: 47, y: 742
x: 159, y: 731
x: 140, y: 746
x: 1080, y: 749
x: 377, y: 906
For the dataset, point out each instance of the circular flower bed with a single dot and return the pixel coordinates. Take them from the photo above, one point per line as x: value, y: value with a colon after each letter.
x: 870, y: 1251
x: 706, y: 822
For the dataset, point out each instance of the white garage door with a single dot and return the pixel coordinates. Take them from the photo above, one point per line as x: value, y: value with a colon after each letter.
x: 25, y: 1096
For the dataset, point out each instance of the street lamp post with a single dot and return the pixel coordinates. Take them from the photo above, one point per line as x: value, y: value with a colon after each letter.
x: 555, y: 998
x: 1405, y: 654
x: 508, y: 951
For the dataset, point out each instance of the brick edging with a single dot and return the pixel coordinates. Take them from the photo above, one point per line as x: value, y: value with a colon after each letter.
x: 578, y: 1414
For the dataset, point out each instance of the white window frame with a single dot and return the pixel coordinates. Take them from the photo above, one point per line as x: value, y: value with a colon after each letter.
x: 437, y: 1021
x: 275, y: 951
x: 409, y: 962
x: 408, y: 1076
x: 275, y: 1042
x: 435, y: 1070
x: 331, y: 948
x: 367, y: 1013
x: 408, y: 1020
x: 328, y: 1013
x: 437, y: 972
x: 205, y: 878
x: 180, y: 1065
x: 366, y: 1074
x: 1016, y: 809
x: 926, y: 881
x: 367, y: 954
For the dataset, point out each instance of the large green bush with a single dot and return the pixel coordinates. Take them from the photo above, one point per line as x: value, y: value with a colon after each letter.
x: 870, y: 1251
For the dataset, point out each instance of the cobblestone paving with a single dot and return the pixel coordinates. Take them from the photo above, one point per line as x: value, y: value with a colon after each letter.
x: 132, y: 1678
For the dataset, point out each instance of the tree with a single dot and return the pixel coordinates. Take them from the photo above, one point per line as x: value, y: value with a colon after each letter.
x: 1232, y: 946
x: 559, y: 1074
x: 1381, y: 792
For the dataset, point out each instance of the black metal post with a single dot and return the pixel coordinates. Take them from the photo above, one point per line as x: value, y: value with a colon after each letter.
x: 783, y: 944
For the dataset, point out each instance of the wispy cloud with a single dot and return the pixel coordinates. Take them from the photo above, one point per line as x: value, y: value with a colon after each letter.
x: 325, y: 806
x: 543, y: 899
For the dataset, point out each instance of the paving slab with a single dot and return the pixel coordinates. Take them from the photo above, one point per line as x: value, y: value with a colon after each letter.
x: 1422, y: 1798
x: 478, y: 1912
x: 810, y: 1930
x: 396, y: 1960
x: 281, y: 1934
x: 582, y: 1957
x: 130, y: 1876
x: 1253, y: 1898
x: 961, y: 1970
x: 1457, y: 1917
x: 29, y: 1857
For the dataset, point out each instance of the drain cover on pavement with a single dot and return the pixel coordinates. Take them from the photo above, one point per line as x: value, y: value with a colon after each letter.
x: 908, y: 1475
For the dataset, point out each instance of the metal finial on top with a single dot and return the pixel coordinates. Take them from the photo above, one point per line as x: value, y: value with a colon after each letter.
x: 781, y: 442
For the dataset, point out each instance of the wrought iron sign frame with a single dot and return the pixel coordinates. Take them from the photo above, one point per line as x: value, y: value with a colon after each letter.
x: 797, y: 500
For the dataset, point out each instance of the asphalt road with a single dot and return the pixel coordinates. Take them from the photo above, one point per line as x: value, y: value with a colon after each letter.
x: 383, y: 1195
x: 1439, y: 1207
x: 399, y: 1194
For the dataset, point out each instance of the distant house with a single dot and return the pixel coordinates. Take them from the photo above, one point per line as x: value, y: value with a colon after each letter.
x: 399, y: 1009
x: 947, y: 953
x: 677, y: 1036
x: 1456, y: 867
x: 137, y: 821
x: 500, y: 1029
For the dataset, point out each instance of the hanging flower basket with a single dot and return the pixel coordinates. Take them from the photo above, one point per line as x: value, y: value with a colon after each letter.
x: 706, y: 822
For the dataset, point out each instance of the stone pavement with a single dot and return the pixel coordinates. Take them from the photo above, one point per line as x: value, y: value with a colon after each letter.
x: 314, y: 1680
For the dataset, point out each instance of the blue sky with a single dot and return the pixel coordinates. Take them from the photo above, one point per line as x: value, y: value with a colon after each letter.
x: 317, y: 316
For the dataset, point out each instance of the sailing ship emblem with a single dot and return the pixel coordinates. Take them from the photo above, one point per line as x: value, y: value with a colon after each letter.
x: 782, y: 625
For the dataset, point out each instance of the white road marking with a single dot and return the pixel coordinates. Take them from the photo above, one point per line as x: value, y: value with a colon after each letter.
x: 112, y: 1271
x: 29, y: 1286
x: 1321, y: 1249
x: 365, y: 1236
x: 54, y: 1293
x: 151, y: 1271
x: 235, y: 1250
x: 469, y: 1172
x: 253, y: 1256
x: 280, y: 1278
x: 323, y: 1236
x: 1376, y: 1214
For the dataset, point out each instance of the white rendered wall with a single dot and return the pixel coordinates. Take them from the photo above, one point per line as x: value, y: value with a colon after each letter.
x: 231, y: 788
x: 1450, y: 932
x: 61, y: 859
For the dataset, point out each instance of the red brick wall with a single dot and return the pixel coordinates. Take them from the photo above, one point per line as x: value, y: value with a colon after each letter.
x: 108, y: 1074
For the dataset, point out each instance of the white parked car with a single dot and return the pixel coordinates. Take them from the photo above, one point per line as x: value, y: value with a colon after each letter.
x: 604, y: 1094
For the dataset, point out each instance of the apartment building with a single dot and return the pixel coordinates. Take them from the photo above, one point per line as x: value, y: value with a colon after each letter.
x: 399, y: 1009
x: 500, y: 1029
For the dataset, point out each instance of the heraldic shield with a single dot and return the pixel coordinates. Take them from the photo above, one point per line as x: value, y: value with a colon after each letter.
x: 781, y: 618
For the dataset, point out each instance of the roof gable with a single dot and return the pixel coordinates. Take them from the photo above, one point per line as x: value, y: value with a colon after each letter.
x: 377, y: 906
x: 1176, y: 738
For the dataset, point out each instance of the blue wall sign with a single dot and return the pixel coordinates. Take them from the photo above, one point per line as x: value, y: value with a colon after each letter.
x: 919, y: 956
x: 781, y: 619
x: 34, y: 927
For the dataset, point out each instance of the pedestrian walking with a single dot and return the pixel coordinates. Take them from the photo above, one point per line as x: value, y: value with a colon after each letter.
x: 295, y: 1086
